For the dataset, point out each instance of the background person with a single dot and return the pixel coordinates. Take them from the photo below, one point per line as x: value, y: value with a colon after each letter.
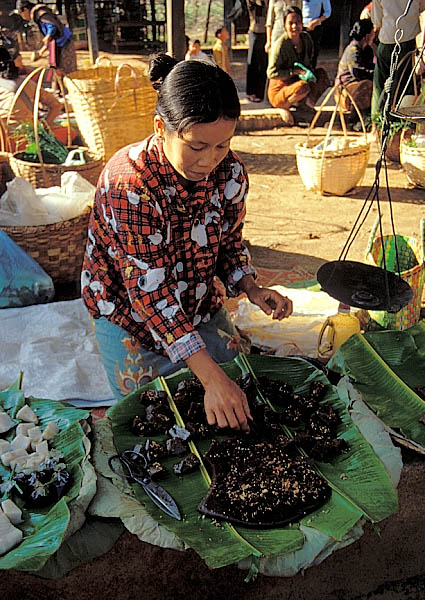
x: 355, y: 69
x: 384, y: 17
x: 57, y: 38
x: 256, y: 77
x: 220, y: 50
x: 167, y: 219
x: 285, y: 86
x: 274, y: 21
x: 23, y: 111
x: 315, y: 12
x: 195, y: 53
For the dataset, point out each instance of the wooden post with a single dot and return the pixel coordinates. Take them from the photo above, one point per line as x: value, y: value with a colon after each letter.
x: 176, y: 43
x: 92, y: 31
x: 345, y: 25
x: 228, y: 5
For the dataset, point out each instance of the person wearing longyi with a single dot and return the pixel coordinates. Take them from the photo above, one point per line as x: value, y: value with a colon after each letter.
x: 57, y: 37
x: 167, y: 220
x: 288, y: 56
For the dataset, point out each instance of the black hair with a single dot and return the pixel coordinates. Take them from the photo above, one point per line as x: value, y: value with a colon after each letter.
x: 292, y: 9
x: 360, y: 29
x: 8, y: 69
x: 22, y: 4
x: 191, y: 92
x: 219, y: 30
x: 197, y: 42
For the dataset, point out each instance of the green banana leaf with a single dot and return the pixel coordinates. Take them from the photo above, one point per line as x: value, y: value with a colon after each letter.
x: 44, y: 529
x: 385, y: 367
x: 360, y: 485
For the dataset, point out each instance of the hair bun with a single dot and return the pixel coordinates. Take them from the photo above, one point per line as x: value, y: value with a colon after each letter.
x: 159, y: 67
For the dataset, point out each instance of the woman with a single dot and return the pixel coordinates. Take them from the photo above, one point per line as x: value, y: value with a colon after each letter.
x: 167, y: 219
x: 287, y: 86
x: 274, y: 21
x: 23, y: 109
x: 355, y: 69
x: 57, y: 38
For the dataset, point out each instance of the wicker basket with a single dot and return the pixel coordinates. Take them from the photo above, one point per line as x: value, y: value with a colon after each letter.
x: 58, y: 247
x: 333, y: 171
x: 412, y: 161
x: 113, y: 106
x: 43, y: 175
x: 411, y: 256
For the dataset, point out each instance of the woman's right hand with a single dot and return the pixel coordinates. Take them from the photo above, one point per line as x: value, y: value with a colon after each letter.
x: 226, y: 404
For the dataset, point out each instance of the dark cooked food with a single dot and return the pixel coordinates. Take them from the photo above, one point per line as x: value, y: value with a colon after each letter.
x: 176, y: 447
x: 41, y: 488
x: 321, y: 448
x: 188, y: 391
x: 420, y: 390
x: 156, y: 470
x: 159, y: 410
x: 198, y: 431
x: 179, y: 432
x: 422, y: 420
x: 260, y: 484
x: 154, y: 450
x: 189, y: 464
x: 152, y: 397
x: 156, y: 426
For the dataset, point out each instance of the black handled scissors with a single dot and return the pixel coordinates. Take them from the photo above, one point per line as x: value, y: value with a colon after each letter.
x: 136, y: 465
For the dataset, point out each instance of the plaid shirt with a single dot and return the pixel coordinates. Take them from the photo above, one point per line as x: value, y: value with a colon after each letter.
x: 154, y: 248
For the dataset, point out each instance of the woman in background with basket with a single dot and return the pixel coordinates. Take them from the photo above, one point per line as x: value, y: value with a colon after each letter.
x: 57, y: 38
x: 292, y: 80
x: 167, y: 219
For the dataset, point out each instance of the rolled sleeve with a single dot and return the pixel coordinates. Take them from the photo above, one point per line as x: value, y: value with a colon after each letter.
x: 183, y: 348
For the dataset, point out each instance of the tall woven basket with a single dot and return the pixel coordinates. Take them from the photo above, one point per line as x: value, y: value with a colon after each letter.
x: 58, y: 247
x: 333, y: 171
x: 411, y: 259
x: 412, y: 161
x: 113, y: 106
x: 41, y: 174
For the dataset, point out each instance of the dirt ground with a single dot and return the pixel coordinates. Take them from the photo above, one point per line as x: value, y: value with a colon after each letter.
x: 285, y: 226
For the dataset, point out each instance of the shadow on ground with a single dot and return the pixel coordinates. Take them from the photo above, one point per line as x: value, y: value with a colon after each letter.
x: 276, y: 259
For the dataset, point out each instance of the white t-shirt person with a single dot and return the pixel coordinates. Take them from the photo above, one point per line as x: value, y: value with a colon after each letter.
x: 195, y: 52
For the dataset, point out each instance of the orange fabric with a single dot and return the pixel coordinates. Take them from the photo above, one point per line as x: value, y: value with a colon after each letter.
x: 283, y: 94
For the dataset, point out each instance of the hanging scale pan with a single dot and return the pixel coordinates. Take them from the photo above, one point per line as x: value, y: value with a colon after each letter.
x: 364, y: 286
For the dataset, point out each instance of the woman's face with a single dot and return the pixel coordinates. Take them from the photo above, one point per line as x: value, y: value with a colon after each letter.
x: 293, y: 25
x: 198, y: 150
x: 25, y: 14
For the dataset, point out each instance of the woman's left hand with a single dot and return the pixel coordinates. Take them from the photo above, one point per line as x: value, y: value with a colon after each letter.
x: 271, y: 302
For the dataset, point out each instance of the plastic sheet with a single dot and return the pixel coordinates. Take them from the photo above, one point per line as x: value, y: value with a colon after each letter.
x: 21, y: 204
x: 22, y: 280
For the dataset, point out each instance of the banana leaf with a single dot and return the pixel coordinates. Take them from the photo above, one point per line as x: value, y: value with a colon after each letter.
x: 45, y: 529
x: 360, y: 485
x: 386, y: 367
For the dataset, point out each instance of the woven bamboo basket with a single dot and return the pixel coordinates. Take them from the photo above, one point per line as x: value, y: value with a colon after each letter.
x: 57, y: 247
x: 44, y: 175
x: 412, y: 161
x: 41, y: 174
x: 113, y: 106
x: 333, y: 171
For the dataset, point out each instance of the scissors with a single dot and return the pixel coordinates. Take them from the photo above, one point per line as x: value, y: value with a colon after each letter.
x: 136, y: 464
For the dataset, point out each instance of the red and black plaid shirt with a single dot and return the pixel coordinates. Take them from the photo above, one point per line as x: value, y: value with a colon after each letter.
x: 154, y: 248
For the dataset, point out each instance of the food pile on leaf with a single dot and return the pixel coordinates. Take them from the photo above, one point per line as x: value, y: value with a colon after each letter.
x: 265, y: 478
x: 36, y: 476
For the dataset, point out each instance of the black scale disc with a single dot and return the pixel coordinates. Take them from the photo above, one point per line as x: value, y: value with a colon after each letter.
x: 364, y: 286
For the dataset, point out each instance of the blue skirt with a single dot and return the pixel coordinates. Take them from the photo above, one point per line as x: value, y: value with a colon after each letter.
x: 129, y: 366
